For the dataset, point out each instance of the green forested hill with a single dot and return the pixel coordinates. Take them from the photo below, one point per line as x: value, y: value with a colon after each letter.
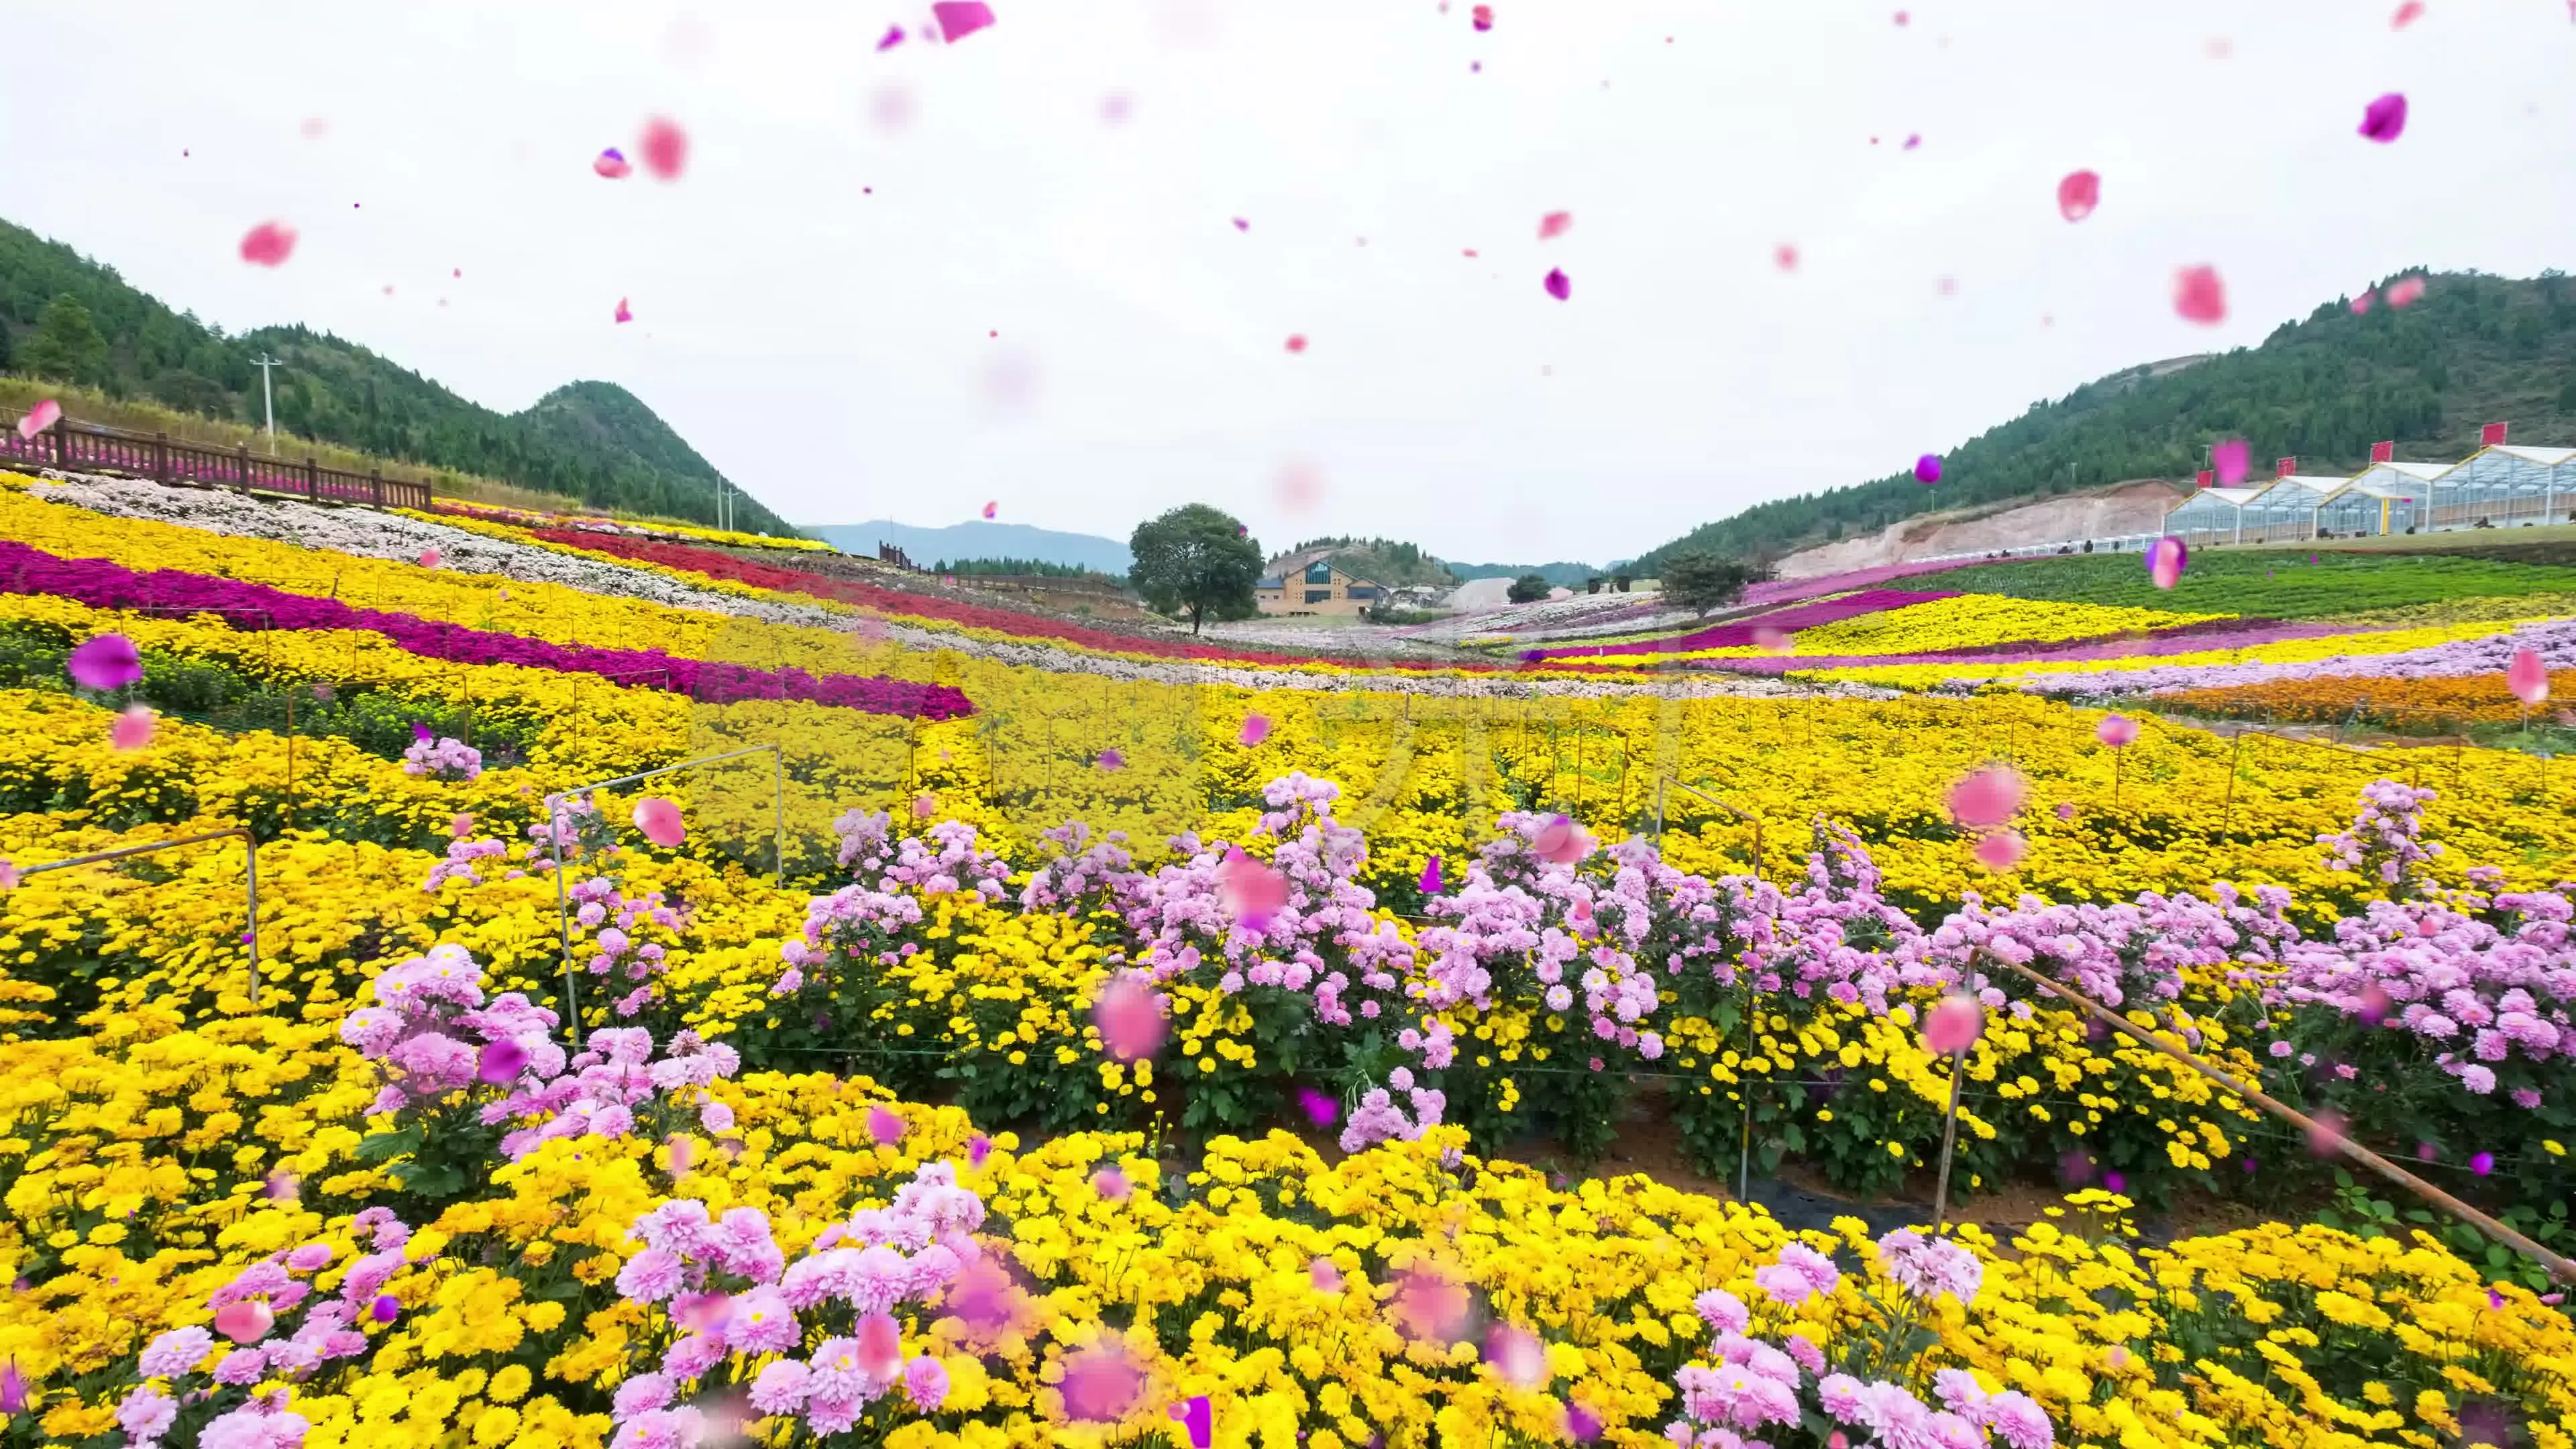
x: 2475, y: 349
x: 69, y: 319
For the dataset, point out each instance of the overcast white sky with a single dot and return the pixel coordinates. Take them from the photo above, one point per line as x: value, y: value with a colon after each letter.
x: 813, y: 298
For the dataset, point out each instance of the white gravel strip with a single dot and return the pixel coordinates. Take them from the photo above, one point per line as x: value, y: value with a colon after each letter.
x: 367, y: 533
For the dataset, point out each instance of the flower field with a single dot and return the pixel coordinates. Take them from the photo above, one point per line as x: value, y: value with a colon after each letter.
x: 1149, y: 1057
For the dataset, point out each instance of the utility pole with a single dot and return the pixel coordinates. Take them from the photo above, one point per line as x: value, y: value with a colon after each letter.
x: 268, y: 399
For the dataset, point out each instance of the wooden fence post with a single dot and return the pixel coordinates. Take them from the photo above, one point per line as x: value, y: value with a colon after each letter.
x: 312, y: 478
x: 160, y: 457
x: 376, y: 485
x: 243, y: 450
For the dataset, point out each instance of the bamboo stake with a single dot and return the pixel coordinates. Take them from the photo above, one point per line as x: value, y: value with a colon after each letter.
x: 2559, y: 1267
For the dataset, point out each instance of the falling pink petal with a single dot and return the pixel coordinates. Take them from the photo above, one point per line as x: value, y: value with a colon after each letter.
x: 1555, y: 224
x: 961, y: 18
x: 2527, y: 677
x: 1986, y: 798
x: 1563, y: 842
x: 2406, y: 293
x: 40, y: 417
x: 1324, y: 1275
x: 1517, y: 1356
x: 2167, y: 557
x: 1250, y: 891
x: 461, y: 827
x: 1256, y: 728
x: 1772, y: 640
x: 924, y: 806
x: 245, y: 1320
x: 2116, y: 730
x: 107, y: 661
x: 268, y: 244
x: 880, y: 1347
x: 978, y: 1148
x: 2066, y: 812
x: 2376, y: 1003
x: 1558, y: 286
x: 2407, y: 14
x: 1111, y: 1184
x: 664, y: 147
x: 2199, y: 296
x: 885, y: 1125
x: 1927, y: 469
x: 1466, y: 251
x: 133, y: 728
x: 624, y: 313
x: 1430, y: 881
x: 1242, y: 225
x: 2362, y: 303
x: 1785, y: 257
x: 2229, y: 460
x: 1583, y: 1426
x: 1482, y: 16
x: 892, y: 38
x: 1902, y: 17
x: 2078, y: 193
x: 1100, y: 1385
x: 1112, y: 760
x: 2384, y: 120
x: 429, y: 558
x: 1954, y: 1025
x: 1911, y: 142
x: 1430, y: 1307
x: 1296, y: 341
x: 1194, y: 1417
x: 1129, y: 1016
x: 612, y: 163
x: 660, y: 821
x: 501, y: 1061
x: 1320, y: 1109
x: 2326, y: 1133
x: 2000, y: 851
x: 8, y: 876
x: 991, y: 508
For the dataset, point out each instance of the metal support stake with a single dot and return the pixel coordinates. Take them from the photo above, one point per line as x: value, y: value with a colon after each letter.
x: 250, y: 846
x: 554, y: 829
x: 1949, y: 1139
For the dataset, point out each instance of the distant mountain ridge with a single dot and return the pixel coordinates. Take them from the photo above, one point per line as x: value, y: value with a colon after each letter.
x: 978, y: 539
x: 70, y: 319
x: 2475, y: 349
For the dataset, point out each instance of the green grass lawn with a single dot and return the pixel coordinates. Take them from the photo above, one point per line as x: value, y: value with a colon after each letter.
x: 2270, y: 583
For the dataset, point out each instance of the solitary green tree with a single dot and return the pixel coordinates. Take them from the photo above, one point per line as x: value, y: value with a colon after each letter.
x: 1196, y: 560
x: 66, y: 345
x: 1529, y: 589
x: 1702, y: 582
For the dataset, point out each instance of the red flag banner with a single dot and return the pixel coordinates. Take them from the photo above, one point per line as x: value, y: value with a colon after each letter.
x: 2284, y: 467
x: 2384, y: 452
x: 2491, y: 435
x: 2205, y: 478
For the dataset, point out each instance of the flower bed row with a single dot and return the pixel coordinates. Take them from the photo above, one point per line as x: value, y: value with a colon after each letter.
x: 105, y: 585
x: 894, y: 601
x: 1741, y: 633
x: 2449, y: 659
x: 534, y: 1302
x: 2430, y: 704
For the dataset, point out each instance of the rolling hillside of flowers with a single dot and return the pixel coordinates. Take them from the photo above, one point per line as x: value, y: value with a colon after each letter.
x: 696, y: 1001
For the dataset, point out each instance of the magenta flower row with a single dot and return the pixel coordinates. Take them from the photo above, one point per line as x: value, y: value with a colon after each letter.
x: 1740, y: 633
x: 104, y: 585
